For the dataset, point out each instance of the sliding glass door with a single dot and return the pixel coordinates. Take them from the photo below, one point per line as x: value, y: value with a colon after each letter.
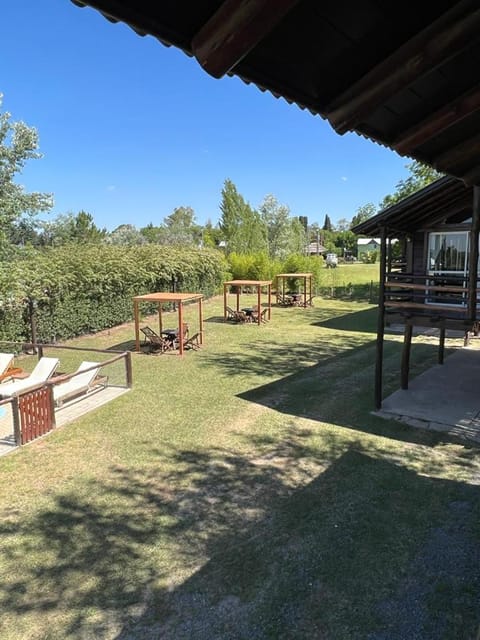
x: 447, y: 265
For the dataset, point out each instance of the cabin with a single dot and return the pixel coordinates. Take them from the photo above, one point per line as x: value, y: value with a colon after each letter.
x: 434, y: 281
x: 367, y: 245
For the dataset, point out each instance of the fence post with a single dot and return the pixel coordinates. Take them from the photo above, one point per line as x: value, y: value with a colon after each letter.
x: 128, y: 369
x: 16, y: 421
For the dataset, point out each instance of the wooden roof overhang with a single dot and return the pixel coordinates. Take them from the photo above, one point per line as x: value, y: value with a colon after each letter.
x: 239, y: 284
x: 445, y: 200
x: 163, y: 297
x: 408, y: 79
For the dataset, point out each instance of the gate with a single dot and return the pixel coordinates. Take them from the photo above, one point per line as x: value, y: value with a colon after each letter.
x: 36, y: 414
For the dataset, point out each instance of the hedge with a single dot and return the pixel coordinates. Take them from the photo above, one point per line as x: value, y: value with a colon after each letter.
x: 81, y: 289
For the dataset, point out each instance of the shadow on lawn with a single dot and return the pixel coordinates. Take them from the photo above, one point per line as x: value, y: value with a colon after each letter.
x: 338, y: 389
x: 365, y: 321
x: 350, y: 545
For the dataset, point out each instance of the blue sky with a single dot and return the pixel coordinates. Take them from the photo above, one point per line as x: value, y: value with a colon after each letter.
x: 131, y: 129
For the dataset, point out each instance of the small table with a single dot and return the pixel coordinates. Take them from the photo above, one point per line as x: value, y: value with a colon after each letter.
x: 171, y: 335
x: 248, y: 312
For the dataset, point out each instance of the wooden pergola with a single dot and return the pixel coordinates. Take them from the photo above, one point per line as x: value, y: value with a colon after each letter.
x: 305, y: 278
x: 239, y: 284
x: 160, y: 298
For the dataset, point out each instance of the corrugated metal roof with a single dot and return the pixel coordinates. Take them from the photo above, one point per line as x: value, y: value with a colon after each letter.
x: 441, y: 200
x: 407, y: 79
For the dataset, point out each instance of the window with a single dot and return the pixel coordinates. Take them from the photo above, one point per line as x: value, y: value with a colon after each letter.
x: 448, y: 265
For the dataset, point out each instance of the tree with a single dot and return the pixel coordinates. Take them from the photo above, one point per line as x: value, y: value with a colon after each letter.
x: 126, y: 234
x: 241, y: 226
x: 181, y: 228
x: 18, y: 143
x: 284, y: 234
x: 421, y: 176
x: 327, y: 224
x: 363, y: 213
x: 79, y: 228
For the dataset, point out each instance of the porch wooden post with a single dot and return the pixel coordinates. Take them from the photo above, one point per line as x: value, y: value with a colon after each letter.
x: 224, y: 302
x: 269, y: 300
x: 381, y: 320
x: 137, y: 332
x: 473, y: 262
x: 441, y: 345
x: 407, y: 345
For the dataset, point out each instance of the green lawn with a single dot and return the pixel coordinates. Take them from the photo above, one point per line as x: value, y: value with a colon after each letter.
x: 244, y: 491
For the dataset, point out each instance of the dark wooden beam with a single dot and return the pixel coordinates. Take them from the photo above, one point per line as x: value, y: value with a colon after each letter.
x: 234, y: 30
x: 455, y: 156
x: 445, y: 117
x: 407, y: 346
x: 472, y: 178
x: 440, y: 41
x: 441, y: 346
x: 380, y: 320
x: 473, y: 258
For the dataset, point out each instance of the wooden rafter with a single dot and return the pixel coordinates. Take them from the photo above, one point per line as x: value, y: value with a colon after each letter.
x: 234, y: 30
x: 445, y: 117
x: 456, y: 155
x: 439, y: 42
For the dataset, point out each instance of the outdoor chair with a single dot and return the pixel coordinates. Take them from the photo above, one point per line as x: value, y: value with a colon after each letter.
x: 263, y: 315
x: 230, y: 313
x: 193, y: 342
x: 6, y: 362
x: 44, y: 369
x: 155, y: 342
x: 80, y: 384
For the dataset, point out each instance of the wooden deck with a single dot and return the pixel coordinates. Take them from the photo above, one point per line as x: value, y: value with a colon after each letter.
x: 69, y: 412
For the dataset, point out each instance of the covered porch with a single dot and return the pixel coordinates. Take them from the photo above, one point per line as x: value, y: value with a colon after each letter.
x: 433, y: 280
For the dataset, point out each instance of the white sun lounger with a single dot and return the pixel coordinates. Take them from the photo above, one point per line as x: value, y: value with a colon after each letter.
x: 6, y: 361
x: 80, y: 384
x: 43, y: 370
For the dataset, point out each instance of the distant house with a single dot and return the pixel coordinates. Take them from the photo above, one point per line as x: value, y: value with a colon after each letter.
x: 365, y: 245
x: 316, y: 249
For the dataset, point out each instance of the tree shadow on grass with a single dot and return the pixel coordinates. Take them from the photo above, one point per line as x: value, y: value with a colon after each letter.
x: 329, y: 381
x: 296, y: 543
x: 364, y: 321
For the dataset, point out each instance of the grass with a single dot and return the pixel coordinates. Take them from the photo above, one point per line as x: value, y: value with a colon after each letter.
x: 244, y: 491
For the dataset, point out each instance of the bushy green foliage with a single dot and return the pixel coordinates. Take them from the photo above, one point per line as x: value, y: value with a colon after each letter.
x: 80, y: 289
x: 369, y: 257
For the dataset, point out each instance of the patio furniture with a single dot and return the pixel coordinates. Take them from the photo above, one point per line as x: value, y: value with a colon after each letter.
x: 193, y: 342
x: 161, y: 298
x: 82, y: 383
x: 237, y: 287
x: 43, y: 370
x: 6, y: 362
x: 154, y: 341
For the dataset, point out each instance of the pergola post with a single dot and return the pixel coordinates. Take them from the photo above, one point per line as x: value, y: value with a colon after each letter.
x: 224, y: 302
x: 200, y: 319
x: 259, y: 302
x: 180, y: 328
x: 137, y: 329
x: 269, y: 300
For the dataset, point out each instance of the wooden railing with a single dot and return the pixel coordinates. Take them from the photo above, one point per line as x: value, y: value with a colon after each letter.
x: 444, y: 296
x: 33, y: 411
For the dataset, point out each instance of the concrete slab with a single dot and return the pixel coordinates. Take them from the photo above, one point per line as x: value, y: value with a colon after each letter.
x: 444, y: 398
